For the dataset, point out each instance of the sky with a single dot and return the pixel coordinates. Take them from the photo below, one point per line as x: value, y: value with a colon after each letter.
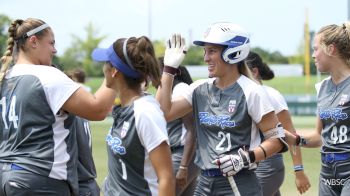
x: 275, y: 25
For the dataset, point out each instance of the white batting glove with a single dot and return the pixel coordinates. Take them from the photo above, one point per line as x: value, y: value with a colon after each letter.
x: 231, y: 164
x: 175, y: 51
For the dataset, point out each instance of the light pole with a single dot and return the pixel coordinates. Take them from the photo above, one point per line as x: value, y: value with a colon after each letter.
x: 150, y: 19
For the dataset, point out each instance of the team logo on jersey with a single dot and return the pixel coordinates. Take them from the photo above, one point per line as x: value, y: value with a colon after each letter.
x: 125, y: 129
x: 335, y: 114
x: 115, y: 143
x: 222, y: 121
x: 231, y: 106
x: 343, y: 99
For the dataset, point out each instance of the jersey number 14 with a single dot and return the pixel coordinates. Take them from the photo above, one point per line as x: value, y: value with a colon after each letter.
x: 9, y: 114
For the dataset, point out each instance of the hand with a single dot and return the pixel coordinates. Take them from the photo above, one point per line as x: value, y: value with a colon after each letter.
x: 175, y: 51
x: 232, y: 164
x: 181, y: 178
x: 302, y: 182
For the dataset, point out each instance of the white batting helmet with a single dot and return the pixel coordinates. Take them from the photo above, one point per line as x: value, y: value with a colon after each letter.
x: 231, y: 35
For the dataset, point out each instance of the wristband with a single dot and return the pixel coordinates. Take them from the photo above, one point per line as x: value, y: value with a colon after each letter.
x: 263, y: 151
x: 251, y: 156
x: 298, y: 168
x: 170, y: 70
x: 300, y: 140
x: 183, y: 167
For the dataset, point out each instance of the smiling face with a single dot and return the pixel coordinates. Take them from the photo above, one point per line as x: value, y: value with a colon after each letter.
x: 212, y: 56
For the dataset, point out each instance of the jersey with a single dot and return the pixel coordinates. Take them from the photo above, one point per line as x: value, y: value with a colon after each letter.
x: 86, y: 165
x: 226, y: 119
x: 137, y: 130
x: 276, y: 99
x: 176, y: 129
x: 333, y: 108
x: 35, y: 132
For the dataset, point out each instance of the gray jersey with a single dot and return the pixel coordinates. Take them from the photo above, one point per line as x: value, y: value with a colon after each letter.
x: 226, y: 119
x: 86, y: 165
x: 137, y: 130
x: 34, y: 131
x: 333, y: 108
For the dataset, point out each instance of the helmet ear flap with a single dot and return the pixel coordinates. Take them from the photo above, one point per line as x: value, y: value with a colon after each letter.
x: 232, y: 55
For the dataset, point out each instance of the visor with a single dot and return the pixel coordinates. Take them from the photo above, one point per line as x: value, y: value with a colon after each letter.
x: 108, y: 54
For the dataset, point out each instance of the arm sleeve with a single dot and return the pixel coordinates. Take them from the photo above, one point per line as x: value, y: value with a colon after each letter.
x: 150, y: 125
x: 258, y: 104
x: 58, y: 89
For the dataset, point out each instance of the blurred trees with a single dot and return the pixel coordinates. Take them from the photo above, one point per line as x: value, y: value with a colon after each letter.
x: 5, y: 22
x: 78, y: 53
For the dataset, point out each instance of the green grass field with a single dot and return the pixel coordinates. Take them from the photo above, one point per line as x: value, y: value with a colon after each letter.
x: 311, y: 157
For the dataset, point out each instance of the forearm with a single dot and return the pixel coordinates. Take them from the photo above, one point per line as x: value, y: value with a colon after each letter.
x: 189, y: 149
x: 105, y: 96
x: 166, y: 186
x: 164, y: 92
x: 270, y: 146
x: 313, y: 140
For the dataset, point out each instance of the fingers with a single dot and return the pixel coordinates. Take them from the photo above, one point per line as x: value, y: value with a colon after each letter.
x: 177, y: 41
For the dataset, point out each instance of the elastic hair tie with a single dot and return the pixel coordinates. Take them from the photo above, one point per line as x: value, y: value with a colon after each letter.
x: 125, y: 53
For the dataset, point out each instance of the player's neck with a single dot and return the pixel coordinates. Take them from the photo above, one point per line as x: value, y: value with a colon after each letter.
x: 128, y: 97
x: 227, y: 80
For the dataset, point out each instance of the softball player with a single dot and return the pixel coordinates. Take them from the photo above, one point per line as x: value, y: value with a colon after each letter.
x: 270, y: 172
x: 37, y: 149
x: 229, y: 110
x: 331, y: 54
x: 139, y: 157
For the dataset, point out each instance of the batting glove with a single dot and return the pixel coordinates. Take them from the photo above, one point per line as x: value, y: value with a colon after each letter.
x: 231, y: 164
x: 175, y: 51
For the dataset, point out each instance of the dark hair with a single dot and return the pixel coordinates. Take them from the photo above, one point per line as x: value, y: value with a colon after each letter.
x: 17, y: 39
x: 182, y: 75
x: 254, y: 61
x: 78, y: 75
x: 142, y: 56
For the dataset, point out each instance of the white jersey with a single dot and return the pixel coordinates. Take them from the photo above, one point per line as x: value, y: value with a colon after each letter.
x: 276, y: 99
x: 226, y: 119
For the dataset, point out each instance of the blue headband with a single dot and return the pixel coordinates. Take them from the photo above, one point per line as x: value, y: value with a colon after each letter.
x: 102, y: 54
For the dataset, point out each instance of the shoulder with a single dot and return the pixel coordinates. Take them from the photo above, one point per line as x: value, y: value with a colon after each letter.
x: 249, y: 86
x: 46, y: 74
x: 322, y: 83
x: 200, y: 82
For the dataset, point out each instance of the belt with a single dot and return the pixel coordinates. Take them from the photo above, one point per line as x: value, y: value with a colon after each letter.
x: 334, y: 157
x: 211, y: 172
